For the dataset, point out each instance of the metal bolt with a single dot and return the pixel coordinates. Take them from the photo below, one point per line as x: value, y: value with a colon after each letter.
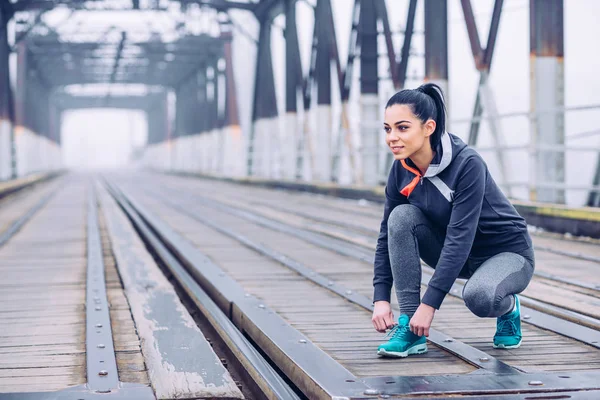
x: 103, y: 372
x: 449, y: 340
x: 348, y: 292
x: 536, y: 383
x: 224, y: 362
x: 261, y: 306
x: 371, y: 392
x: 247, y: 295
x: 302, y: 340
x: 484, y: 359
x: 101, y: 346
x: 330, y: 283
x: 98, y: 325
x: 239, y: 385
x: 526, y: 316
x: 97, y: 301
x: 98, y: 308
x: 385, y: 396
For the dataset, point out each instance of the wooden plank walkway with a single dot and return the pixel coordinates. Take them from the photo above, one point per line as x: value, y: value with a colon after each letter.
x: 42, y: 296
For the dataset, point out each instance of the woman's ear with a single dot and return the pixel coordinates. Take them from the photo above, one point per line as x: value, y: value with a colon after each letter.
x: 429, y: 126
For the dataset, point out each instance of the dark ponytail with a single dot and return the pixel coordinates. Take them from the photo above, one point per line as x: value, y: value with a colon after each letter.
x: 426, y: 102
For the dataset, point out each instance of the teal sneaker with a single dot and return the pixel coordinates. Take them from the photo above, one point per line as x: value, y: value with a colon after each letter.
x: 508, y: 329
x: 402, y: 341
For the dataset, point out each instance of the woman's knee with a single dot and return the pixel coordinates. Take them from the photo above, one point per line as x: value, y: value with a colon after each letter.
x: 479, y: 300
x: 403, y: 217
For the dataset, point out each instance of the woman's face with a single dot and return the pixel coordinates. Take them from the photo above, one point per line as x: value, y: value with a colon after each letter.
x: 406, y: 135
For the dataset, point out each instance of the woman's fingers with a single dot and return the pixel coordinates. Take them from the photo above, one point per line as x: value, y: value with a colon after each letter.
x: 389, y: 320
x: 378, y: 324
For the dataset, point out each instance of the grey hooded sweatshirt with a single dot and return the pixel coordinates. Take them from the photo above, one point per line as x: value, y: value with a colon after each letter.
x: 458, y: 195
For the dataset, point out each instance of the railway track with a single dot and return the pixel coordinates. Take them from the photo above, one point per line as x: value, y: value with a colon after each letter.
x: 282, y: 301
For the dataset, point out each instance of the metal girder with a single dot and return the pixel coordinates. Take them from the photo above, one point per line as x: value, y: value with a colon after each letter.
x: 324, y: 45
x: 268, y: 9
x: 485, y: 97
x: 28, y: 5
x: 436, y: 42
x: 265, y: 102
x: 118, y: 56
x: 231, y: 114
x: 222, y: 5
x: 7, y: 10
x: 547, y: 99
x: 86, y: 60
x: 293, y: 65
x: 5, y: 88
x: 482, y: 57
x: 398, y: 67
x: 369, y: 80
x: 66, y: 102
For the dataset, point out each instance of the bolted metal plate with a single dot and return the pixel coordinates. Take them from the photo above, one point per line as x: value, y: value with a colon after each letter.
x: 100, y: 353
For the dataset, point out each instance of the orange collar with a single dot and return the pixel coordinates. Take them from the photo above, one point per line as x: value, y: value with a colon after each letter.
x: 407, y: 190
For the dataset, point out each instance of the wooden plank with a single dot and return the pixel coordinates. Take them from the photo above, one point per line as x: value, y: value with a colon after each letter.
x: 176, y: 369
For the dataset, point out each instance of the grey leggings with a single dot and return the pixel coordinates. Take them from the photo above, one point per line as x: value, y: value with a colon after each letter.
x: 492, y: 280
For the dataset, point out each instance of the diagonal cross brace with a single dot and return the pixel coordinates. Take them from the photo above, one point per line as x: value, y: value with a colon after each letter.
x: 485, y: 97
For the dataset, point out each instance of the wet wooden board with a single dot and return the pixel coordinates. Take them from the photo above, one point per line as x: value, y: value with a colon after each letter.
x: 42, y: 330
x: 181, y: 363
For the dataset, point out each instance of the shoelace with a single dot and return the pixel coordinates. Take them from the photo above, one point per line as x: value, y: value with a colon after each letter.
x: 506, y: 327
x: 397, y: 331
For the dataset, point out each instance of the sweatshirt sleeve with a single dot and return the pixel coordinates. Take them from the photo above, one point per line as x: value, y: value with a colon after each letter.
x: 460, y: 234
x: 382, y: 277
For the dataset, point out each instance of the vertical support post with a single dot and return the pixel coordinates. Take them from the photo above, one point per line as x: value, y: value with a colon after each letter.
x: 436, y: 43
x: 547, y: 99
x: 7, y: 117
x: 323, y: 137
x: 233, y: 149
x: 21, y: 110
x: 305, y: 143
x: 177, y: 132
x: 345, y: 81
x: 369, y: 89
x: 214, y: 116
x: 202, y: 152
x: 293, y: 84
x: 193, y: 116
x: 265, y: 106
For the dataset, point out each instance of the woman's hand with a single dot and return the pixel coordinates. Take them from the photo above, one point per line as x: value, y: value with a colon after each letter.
x: 383, y: 318
x: 421, y: 320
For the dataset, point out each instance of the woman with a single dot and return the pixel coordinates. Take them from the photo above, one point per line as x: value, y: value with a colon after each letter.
x: 443, y: 206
